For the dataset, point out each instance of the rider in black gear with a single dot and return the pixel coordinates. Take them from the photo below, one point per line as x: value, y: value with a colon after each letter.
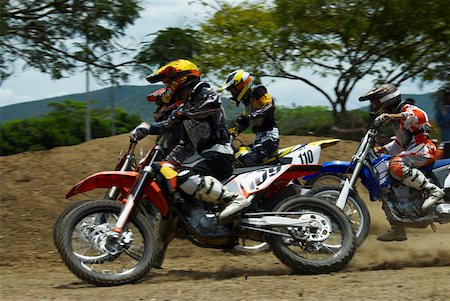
x: 204, y: 126
x: 259, y: 113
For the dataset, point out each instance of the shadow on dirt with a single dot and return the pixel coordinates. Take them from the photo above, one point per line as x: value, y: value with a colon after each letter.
x: 74, y: 285
x: 221, y: 274
x: 161, y: 276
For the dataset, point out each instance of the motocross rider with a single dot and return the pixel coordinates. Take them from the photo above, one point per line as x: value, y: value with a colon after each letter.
x: 175, y: 149
x: 204, y: 125
x: 410, y: 149
x: 259, y: 112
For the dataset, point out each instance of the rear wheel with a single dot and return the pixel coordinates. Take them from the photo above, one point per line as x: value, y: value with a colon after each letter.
x: 323, y: 241
x: 355, y: 209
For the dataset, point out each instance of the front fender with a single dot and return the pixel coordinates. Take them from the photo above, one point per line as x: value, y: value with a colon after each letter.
x: 123, y: 180
x: 342, y: 167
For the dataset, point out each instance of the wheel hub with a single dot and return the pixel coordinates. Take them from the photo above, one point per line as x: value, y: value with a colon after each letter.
x: 318, y: 230
x: 109, y: 242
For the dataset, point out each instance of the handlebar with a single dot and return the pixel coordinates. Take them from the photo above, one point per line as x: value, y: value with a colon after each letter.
x: 376, y: 125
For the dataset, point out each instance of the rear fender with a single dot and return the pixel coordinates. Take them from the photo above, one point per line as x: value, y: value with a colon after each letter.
x: 342, y: 167
x: 324, y: 143
x: 123, y: 180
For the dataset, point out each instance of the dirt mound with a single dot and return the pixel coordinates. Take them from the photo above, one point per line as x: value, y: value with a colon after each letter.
x: 33, y: 186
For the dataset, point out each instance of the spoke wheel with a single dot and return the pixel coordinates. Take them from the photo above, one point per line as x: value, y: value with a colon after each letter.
x: 82, y: 239
x: 325, y: 246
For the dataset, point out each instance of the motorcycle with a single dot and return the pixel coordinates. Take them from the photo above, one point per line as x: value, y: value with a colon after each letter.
x: 113, y: 242
x: 306, y: 153
x: 126, y: 162
x: 401, y: 203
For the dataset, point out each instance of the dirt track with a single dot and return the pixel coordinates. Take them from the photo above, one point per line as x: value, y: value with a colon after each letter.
x: 33, y: 186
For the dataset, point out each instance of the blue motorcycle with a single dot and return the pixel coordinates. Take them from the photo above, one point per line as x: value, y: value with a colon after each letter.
x: 401, y: 203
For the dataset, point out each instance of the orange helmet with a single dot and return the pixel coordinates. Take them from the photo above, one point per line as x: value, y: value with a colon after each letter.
x: 175, y: 75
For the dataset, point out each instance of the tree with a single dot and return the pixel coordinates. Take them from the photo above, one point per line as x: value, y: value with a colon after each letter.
x: 57, y: 36
x: 386, y: 40
x: 169, y: 44
x: 63, y: 126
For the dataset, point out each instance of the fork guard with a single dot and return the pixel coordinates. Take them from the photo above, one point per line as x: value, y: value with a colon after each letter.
x: 123, y: 180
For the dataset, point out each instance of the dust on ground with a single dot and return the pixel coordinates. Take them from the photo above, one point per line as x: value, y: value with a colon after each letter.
x: 33, y: 186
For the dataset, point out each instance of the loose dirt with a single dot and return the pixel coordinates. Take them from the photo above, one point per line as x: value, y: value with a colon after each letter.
x: 33, y: 186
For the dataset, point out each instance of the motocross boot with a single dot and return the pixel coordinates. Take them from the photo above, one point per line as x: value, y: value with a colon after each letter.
x: 395, y: 233
x: 417, y: 180
x: 210, y: 191
x: 236, y: 203
x: 213, y: 191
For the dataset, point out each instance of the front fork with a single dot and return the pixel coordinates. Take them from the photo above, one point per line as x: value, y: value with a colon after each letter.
x: 113, y: 192
x: 359, y: 159
x: 135, y: 195
x: 348, y: 185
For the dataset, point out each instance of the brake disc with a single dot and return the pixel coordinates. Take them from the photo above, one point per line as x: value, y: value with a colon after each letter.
x: 318, y: 230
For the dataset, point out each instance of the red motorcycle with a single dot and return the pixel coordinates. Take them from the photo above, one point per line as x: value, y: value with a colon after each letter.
x: 110, y: 242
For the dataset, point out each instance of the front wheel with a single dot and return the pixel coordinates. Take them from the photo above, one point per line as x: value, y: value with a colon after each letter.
x: 325, y: 245
x: 131, y: 251
x: 355, y: 209
x: 326, y: 179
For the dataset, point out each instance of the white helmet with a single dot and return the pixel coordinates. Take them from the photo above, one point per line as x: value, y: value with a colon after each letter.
x: 238, y: 83
x: 383, y: 98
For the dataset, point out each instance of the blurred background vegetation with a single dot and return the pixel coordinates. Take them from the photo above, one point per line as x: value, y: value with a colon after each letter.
x: 347, y: 41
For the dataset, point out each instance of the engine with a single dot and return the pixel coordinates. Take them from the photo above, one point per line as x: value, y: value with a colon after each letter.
x: 406, y: 201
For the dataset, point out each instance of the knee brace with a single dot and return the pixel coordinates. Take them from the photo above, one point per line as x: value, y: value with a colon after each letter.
x: 188, y: 181
x: 398, y: 168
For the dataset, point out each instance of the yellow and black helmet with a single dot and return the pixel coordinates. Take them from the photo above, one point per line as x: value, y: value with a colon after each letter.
x: 238, y: 83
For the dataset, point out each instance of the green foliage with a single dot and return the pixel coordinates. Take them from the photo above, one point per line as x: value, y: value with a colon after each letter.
x: 55, y: 36
x: 235, y: 37
x: 317, y: 121
x: 63, y: 126
x: 169, y: 44
x: 388, y: 41
x: 304, y: 120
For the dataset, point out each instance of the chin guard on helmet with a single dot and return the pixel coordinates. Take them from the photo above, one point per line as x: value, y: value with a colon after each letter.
x: 160, y: 96
x: 383, y: 98
x: 238, y: 83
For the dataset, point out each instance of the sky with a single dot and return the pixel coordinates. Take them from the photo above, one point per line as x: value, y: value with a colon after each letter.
x: 28, y: 85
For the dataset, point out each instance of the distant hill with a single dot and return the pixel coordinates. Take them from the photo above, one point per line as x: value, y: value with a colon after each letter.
x: 130, y: 98
x: 133, y: 100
